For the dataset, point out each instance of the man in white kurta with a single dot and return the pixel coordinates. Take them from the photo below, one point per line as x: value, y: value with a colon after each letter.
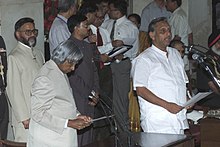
x: 161, y: 74
x: 24, y: 63
x: 165, y: 77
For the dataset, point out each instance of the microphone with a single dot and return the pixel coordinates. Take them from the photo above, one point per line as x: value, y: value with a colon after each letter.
x: 197, y: 57
x: 195, y: 50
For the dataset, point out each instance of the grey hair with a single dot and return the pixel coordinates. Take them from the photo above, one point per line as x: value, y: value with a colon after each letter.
x: 66, y: 51
x: 64, y: 5
x: 151, y: 27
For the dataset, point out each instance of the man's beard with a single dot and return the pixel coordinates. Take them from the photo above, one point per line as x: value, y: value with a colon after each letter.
x: 215, y: 50
x: 31, y: 42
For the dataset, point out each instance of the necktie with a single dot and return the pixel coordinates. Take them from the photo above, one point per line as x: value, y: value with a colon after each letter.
x: 99, y: 38
x: 113, y: 30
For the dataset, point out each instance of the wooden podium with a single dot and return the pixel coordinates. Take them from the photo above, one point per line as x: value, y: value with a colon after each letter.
x: 144, y: 139
x: 210, y: 132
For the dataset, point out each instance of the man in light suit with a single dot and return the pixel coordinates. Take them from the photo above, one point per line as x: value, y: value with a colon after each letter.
x: 54, y: 116
x: 24, y: 63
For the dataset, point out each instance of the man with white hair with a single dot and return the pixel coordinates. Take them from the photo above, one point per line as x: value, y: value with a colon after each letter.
x: 24, y: 62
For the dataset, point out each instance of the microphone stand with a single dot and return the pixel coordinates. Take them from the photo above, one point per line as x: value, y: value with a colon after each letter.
x: 117, y: 140
x: 124, y: 123
x: 115, y: 128
x: 204, y: 65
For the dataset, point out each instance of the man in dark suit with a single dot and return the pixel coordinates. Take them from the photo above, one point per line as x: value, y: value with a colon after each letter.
x: 84, y: 80
x: 3, y: 100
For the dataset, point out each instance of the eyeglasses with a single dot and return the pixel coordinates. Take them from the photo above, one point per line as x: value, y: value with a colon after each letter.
x: 29, y: 32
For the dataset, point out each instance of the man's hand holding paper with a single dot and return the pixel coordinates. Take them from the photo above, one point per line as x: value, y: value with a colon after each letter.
x: 196, y: 98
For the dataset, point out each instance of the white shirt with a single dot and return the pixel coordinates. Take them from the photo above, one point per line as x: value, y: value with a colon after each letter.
x: 107, y: 43
x: 126, y: 31
x: 59, y: 32
x: 165, y: 77
x: 179, y: 25
x: 104, y: 24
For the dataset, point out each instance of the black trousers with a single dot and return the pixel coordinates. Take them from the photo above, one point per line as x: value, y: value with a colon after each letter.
x: 4, y: 116
x: 121, y: 88
x: 102, y: 128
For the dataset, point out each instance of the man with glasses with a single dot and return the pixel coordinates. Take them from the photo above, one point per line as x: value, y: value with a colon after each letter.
x: 24, y: 62
x: 122, y: 32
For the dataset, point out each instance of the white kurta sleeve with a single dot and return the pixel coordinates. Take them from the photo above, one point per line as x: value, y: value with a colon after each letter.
x: 141, y: 73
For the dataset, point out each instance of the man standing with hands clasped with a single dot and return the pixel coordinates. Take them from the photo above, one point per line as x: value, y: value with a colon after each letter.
x: 160, y: 81
x: 24, y: 62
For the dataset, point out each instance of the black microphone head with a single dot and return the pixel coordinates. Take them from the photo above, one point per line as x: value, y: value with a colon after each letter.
x: 196, y: 49
x: 195, y: 56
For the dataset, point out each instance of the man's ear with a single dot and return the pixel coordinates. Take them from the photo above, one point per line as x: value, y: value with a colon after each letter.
x: 152, y: 35
x: 17, y: 35
x: 76, y: 28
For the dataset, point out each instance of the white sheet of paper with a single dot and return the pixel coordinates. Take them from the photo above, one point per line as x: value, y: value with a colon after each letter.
x: 196, y: 98
x: 123, y: 49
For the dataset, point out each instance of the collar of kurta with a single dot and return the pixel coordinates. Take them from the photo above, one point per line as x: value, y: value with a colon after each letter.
x: 23, y: 45
x: 160, y: 51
